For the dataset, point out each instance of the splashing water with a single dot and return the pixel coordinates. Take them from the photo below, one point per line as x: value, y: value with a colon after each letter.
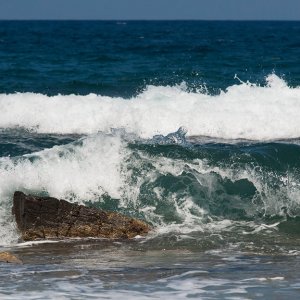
x: 243, y: 111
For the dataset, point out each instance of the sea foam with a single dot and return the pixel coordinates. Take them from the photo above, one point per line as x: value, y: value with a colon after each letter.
x: 242, y: 111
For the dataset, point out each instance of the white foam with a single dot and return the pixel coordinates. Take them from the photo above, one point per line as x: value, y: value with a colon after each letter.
x: 244, y: 111
x: 270, y: 278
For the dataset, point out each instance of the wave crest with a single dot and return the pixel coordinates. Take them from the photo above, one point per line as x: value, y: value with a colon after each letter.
x: 242, y: 111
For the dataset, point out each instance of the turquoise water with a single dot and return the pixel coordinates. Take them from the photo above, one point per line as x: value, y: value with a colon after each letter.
x: 190, y: 126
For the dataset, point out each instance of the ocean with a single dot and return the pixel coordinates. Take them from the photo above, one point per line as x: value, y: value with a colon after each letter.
x: 191, y: 126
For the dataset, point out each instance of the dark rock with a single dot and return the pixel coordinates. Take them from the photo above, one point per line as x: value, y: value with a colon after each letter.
x: 47, y: 217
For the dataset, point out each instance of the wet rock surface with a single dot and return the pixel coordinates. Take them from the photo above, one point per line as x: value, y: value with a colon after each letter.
x: 48, y: 217
x: 7, y: 257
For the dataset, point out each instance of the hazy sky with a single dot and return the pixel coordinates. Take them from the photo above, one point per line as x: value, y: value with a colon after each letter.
x: 151, y: 9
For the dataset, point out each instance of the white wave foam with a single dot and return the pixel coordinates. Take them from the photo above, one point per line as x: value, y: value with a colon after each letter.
x: 244, y: 110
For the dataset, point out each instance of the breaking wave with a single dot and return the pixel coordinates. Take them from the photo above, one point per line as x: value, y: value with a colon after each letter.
x: 176, y: 187
x: 242, y: 111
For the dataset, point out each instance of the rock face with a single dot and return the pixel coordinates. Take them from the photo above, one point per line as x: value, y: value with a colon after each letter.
x: 47, y: 217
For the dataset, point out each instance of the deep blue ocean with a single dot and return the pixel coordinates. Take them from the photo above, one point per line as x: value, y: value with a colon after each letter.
x: 191, y: 126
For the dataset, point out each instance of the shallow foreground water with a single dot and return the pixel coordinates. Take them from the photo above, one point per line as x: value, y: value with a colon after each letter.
x: 94, y: 269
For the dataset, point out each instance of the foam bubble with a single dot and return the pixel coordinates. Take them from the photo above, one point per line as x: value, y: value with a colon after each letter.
x: 244, y: 110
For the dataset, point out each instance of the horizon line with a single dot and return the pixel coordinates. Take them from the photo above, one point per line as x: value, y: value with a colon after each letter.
x: 162, y: 20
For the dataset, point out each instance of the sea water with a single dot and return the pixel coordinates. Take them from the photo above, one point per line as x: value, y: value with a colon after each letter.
x: 90, y: 112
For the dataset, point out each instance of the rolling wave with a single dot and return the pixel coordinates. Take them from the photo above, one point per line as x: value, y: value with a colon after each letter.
x: 176, y: 187
x: 242, y: 111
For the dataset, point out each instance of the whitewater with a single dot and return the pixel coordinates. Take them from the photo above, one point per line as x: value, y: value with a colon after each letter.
x: 242, y: 111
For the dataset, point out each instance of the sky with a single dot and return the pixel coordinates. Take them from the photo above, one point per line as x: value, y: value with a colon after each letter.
x: 150, y: 9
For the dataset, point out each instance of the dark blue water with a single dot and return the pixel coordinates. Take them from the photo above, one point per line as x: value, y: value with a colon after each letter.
x: 90, y: 111
x: 121, y: 58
